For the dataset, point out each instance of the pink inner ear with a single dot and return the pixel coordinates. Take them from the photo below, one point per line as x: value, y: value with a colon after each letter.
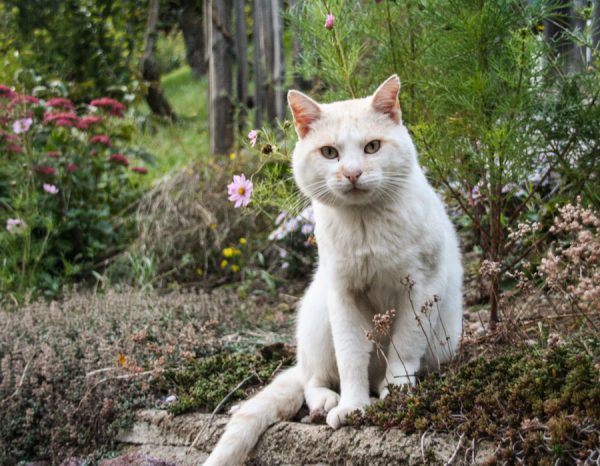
x: 305, y: 111
x: 385, y: 99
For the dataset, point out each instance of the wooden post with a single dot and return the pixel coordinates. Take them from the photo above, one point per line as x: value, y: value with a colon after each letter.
x: 155, y: 97
x: 241, y: 42
x: 220, y: 74
x: 269, y: 70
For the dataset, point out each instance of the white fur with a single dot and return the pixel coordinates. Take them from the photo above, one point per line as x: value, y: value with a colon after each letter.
x: 370, y: 238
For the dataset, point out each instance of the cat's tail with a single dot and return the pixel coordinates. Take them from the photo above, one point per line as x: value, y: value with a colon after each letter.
x: 278, y: 401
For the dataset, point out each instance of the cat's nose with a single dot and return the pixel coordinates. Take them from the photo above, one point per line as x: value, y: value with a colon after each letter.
x: 353, y: 176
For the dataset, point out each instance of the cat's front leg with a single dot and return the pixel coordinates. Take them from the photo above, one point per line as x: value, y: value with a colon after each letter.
x: 352, y: 351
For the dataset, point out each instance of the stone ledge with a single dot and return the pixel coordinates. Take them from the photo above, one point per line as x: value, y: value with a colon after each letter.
x: 167, y: 437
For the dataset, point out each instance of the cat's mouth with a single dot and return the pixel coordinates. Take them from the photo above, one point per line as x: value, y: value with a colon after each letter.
x: 355, y: 190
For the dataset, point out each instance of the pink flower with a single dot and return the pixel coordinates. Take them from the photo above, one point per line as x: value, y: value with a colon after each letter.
x: 22, y: 125
x: 71, y: 167
x: 240, y: 190
x: 50, y: 189
x: 119, y: 159
x: 140, y: 170
x: 252, y: 135
x: 114, y: 107
x: 60, y: 102
x: 101, y: 139
x: 13, y: 224
x: 329, y: 21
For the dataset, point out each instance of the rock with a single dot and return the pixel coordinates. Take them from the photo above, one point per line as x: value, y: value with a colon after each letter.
x: 160, y: 435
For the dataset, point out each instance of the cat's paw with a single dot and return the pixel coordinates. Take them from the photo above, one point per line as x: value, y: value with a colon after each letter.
x: 383, y: 393
x: 338, y: 416
x: 321, y: 399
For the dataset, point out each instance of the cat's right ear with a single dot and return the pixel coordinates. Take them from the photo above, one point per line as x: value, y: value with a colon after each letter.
x: 305, y: 111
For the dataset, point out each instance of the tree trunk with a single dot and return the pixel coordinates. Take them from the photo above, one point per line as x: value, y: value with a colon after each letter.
x: 220, y: 74
x: 155, y: 97
x: 191, y: 26
x: 596, y: 31
x: 241, y: 42
x: 268, y: 61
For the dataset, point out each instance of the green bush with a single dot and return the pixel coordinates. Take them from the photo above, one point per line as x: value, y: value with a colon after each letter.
x: 65, y: 189
x: 94, y: 45
x: 499, y: 126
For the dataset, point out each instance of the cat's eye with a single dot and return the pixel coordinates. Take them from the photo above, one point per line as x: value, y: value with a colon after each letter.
x: 373, y: 146
x: 329, y: 152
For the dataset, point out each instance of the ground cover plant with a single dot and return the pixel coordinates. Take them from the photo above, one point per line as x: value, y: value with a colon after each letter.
x: 101, y: 356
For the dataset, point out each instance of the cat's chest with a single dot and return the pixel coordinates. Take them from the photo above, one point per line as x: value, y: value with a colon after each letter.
x: 364, y: 251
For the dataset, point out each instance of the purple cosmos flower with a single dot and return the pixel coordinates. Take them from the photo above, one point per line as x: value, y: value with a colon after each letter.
x: 22, y: 125
x: 329, y: 21
x: 240, y: 190
x: 14, y: 224
x: 252, y: 135
x: 50, y: 189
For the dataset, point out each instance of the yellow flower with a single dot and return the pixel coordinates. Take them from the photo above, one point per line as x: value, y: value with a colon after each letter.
x: 236, y: 251
x: 235, y: 268
x: 243, y: 241
x: 228, y: 252
x: 213, y: 226
x: 224, y: 263
x: 199, y: 272
x: 122, y: 359
x: 232, y: 156
x: 540, y: 27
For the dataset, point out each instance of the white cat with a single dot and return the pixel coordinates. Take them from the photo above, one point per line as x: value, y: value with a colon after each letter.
x: 378, y: 221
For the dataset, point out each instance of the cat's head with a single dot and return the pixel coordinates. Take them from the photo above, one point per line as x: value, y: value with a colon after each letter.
x: 353, y: 152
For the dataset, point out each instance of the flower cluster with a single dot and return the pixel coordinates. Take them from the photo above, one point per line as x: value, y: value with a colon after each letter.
x: 71, y: 171
x: 303, y: 223
x: 572, y: 265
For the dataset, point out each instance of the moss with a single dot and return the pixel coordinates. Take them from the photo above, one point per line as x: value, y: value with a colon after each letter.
x: 206, y: 382
x: 534, y: 402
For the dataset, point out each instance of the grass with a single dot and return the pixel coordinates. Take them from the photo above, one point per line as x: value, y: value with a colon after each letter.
x: 176, y: 145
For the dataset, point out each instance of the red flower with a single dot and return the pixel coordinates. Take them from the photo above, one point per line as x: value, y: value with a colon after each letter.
x: 61, y: 118
x: 71, y: 167
x: 54, y: 154
x: 114, y: 107
x: 10, y: 137
x: 6, y: 92
x: 13, y: 148
x: 140, y: 170
x: 22, y: 99
x: 119, y: 159
x: 60, y: 102
x: 101, y: 139
x: 45, y: 170
x: 88, y: 121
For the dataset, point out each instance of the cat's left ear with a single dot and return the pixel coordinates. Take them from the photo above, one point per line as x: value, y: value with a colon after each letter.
x: 385, y: 98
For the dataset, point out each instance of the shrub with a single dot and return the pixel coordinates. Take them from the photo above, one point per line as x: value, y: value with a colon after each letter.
x: 498, y: 124
x: 65, y: 188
